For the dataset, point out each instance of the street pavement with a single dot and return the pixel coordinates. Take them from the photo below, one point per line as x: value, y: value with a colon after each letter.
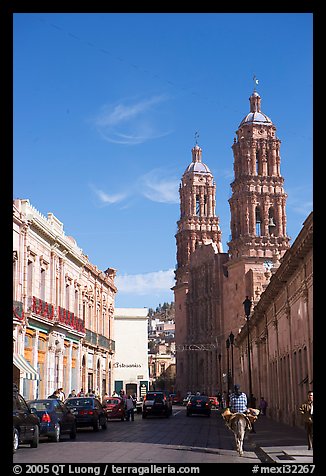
x: 277, y: 442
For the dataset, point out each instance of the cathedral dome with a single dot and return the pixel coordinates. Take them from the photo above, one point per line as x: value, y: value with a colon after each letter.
x: 197, y: 165
x: 255, y: 116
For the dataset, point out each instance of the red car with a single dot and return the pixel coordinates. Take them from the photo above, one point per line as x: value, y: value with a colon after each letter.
x: 214, y: 402
x: 114, y: 408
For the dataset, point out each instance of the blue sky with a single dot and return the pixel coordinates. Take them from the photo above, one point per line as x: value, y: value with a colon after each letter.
x: 106, y: 107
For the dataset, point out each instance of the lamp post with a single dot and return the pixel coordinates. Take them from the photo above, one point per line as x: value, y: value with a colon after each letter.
x: 247, y: 307
x: 220, y: 371
x: 228, y: 365
x: 231, y: 339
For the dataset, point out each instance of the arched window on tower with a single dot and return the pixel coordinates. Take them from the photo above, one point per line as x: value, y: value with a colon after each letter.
x: 258, y: 222
x: 197, y: 206
x: 257, y: 163
x: 205, y: 205
x: 271, y: 222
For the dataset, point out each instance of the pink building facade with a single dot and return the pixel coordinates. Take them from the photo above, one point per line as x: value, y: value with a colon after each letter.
x: 63, y: 305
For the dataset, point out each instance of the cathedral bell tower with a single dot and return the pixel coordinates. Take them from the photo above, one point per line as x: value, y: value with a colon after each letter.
x: 258, y: 217
x: 198, y: 222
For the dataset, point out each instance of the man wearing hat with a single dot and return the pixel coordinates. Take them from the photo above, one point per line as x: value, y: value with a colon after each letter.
x: 238, y: 400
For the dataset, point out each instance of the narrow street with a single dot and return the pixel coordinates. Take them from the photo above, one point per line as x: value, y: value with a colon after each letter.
x: 178, y: 439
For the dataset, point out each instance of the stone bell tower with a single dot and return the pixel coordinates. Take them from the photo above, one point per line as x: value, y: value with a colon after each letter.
x: 198, y: 222
x: 258, y: 216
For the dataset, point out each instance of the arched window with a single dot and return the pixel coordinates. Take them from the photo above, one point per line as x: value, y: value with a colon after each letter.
x: 258, y: 222
x: 271, y: 222
x: 257, y: 163
x: 197, y: 206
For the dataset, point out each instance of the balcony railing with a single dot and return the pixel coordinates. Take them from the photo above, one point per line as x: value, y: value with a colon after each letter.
x: 99, y: 340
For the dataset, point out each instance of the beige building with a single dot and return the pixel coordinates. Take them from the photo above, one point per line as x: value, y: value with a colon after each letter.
x: 211, y: 286
x: 131, y: 362
x: 62, y: 310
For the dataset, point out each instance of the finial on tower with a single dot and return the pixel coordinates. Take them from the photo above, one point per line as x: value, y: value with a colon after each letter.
x: 256, y: 81
x: 196, y: 137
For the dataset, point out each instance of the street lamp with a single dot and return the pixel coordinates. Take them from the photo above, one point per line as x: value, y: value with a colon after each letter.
x: 247, y: 307
x: 228, y: 365
x: 231, y: 339
x: 220, y: 370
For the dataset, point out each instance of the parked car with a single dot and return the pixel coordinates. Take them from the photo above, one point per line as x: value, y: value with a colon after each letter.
x: 176, y: 399
x: 26, y: 424
x: 88, y: 412
x: 139, y: 405
x: 186, y: 399
x: 214, y: 402
x: 55, y: 418
x: 199, y: 404
x: 115, y: 408
x: 157, y: 403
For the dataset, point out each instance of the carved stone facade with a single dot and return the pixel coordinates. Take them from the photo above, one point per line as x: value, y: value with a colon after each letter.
x: 63, y: 310
x: 211, y: 285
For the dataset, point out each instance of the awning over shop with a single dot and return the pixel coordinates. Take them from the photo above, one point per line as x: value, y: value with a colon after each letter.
x: 24, y: 366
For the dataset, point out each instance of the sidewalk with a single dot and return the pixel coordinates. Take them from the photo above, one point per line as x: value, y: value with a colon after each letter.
x: 280, y: 443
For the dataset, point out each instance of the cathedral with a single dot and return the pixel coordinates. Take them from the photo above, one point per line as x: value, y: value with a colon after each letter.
x: 218, y: 343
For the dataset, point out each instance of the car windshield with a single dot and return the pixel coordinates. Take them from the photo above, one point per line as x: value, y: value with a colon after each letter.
x: 199, y: 398
x: 41, y: 406
x: 153, y: 396
x: 79, y: 402
x: 112, y: 401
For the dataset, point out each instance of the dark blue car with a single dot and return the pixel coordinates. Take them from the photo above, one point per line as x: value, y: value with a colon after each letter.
x: 55, y: 418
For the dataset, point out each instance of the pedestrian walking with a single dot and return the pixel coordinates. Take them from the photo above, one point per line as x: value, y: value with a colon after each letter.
x: 55, y: 394
x: 306, y: 409
x: 81, y: 393
x: 72, y: 394
x: 130, y: 409
x: 263, y: 406
x: 62, y: 396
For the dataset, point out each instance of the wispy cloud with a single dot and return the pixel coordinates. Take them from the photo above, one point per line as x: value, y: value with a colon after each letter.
x: 130, y: 122
x: 107, y: 199
x: 298, y: 200
x: 142, y: 284
x: 158, y: 188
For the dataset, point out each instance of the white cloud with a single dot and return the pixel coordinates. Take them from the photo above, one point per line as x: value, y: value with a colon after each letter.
x: 106, y: 198
x: 159, y: 189
x: 142, y: 284
x: 130, y: 123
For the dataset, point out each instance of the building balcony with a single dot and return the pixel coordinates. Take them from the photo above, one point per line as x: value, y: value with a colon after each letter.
x: 98, y: 340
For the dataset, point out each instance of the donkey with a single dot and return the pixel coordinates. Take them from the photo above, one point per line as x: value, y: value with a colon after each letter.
x: 238, y: 424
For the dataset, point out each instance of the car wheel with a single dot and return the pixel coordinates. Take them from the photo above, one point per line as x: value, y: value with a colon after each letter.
x: 73, y: 433
x: 35, y: 440
x: 15, y: 440
x: 97, y: 425
x: 57, y: 433
x: 104, y: 425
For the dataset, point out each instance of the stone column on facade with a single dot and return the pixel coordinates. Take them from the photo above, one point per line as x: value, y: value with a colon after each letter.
x: 253, y: 217
x: 253, y: 158
x: 50, y: 370
x: 279, y: 218
x: 273, y: 159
